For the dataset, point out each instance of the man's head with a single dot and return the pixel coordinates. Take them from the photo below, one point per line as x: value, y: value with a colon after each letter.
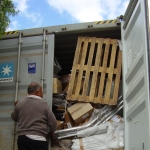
x: 35, y: 89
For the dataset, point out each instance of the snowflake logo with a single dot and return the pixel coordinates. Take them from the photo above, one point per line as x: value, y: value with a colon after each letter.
x: 6, y: 70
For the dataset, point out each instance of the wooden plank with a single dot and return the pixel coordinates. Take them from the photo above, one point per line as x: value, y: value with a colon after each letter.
x: 96, y: 66
x: 75, y: 83
x: 87, y: 75
x: 81, y: 67
x: 100, y: 69
x: 97, y: 87
x: 83, y: 100
x: 117, y: 80
x: 110, y: 75
x: 73, y: 73
x: 102, y: 78
x: 105, y: 41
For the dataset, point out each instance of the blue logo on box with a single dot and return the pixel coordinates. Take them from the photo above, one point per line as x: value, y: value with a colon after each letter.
x: 31, y: 68
x: 6, y: 72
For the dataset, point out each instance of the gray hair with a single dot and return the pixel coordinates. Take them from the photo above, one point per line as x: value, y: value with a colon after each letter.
x: 33, y: 87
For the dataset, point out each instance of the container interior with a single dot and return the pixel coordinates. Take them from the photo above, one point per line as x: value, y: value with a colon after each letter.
x: 65, y: 44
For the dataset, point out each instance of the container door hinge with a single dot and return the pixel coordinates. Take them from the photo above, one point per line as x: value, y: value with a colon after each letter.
x: 90, y: 26
x: 143, y: 145
x: 18, y: 80
x: 119, y: 19
x: 14, y: 133
x: 43, y: 79
x: 64, y: 28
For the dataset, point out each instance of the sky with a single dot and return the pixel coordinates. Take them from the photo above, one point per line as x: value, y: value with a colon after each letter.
x: 42, y: 13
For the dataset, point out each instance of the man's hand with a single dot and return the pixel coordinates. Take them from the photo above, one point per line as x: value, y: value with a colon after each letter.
x: 50, y: 135
x: 15, y: 103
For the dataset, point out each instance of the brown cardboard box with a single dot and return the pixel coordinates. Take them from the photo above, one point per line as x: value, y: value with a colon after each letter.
x: 68, y: 120
x: 60, y: 125
x: 66, y: 89
x: 80, y: 111
x: 86, y: 120
x: 57, y: 86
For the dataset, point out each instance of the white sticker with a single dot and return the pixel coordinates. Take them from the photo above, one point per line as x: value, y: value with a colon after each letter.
x: 85, y: 116
x: 69, y: 125
x: 115, y: 119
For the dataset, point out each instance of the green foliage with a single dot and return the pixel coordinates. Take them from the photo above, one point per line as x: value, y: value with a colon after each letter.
x: 7, y: 9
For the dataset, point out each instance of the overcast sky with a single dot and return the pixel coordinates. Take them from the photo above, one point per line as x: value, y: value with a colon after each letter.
x: 40, y: 13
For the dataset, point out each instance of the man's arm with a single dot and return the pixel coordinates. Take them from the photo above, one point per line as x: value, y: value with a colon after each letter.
x: 52, y: 123
x: 14, y: 114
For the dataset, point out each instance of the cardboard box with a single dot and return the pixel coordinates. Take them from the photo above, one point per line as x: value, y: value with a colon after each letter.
x: 57, y: 86
x: 60, y: 125
x: 66, y: 89
x: 80, y: 111
x: 68, y: 120
x: 85, y: 121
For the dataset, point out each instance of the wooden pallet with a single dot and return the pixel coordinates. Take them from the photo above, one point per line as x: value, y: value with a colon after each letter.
x: 97, y: 64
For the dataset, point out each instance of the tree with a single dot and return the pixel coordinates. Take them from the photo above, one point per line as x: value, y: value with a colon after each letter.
x: 7, y: 9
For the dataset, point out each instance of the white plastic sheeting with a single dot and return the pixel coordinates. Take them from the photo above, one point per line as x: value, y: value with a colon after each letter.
x: 115, y: 135
x: 102, y: 128
x: 113, y: 139
x: 96, y: 142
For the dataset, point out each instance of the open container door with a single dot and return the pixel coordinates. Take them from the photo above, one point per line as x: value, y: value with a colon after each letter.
x: 136, y: 76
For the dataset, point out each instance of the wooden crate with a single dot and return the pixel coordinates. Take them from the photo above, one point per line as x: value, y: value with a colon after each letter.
x: 97, y: 64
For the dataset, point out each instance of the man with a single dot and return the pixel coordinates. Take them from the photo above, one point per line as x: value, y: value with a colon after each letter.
x: 34, y: 117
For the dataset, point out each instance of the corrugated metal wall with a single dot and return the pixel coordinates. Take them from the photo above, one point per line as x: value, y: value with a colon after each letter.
x: 31, y: 54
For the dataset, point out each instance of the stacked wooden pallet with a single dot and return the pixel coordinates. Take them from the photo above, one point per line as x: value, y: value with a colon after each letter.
x: 96, y: 71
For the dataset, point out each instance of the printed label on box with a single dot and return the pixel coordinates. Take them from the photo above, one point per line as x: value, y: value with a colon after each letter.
x: 85, y: 116
x: 69, y: 125
x: 115, y: 119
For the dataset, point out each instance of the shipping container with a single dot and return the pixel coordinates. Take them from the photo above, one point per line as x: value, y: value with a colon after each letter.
x: 28, y: 56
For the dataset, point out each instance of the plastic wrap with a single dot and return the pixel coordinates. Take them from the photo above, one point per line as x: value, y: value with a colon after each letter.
x: 115, y: 135
x: 96, y: 142
x: 113, y: 139
x: 65, y: 144
x: 93, y: 130
x: 93, y: 116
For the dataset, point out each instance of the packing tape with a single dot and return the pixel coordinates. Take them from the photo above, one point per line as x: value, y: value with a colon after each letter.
x: 81, y: 144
